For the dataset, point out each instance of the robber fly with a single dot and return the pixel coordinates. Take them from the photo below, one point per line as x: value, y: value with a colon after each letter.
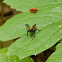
x: 31, y: 29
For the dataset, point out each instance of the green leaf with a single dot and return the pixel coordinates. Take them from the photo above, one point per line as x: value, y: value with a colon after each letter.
x: 4, y: 58
x: 3, y: 55
x: 15, y: 27
x: 27, y: 59
x: 57, y: 55
x: 44, y: 39
x: 48, y: 19
x: 25, y: 5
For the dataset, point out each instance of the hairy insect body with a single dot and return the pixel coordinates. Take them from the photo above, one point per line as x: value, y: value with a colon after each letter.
x: 33, y: 28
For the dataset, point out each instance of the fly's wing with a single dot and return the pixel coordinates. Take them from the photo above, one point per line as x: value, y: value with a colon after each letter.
x: 27, y: 25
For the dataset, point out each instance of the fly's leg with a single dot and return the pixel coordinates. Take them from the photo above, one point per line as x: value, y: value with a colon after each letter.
x: 34, y: 34
x: 38, y: 29
x: 27, y: 33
